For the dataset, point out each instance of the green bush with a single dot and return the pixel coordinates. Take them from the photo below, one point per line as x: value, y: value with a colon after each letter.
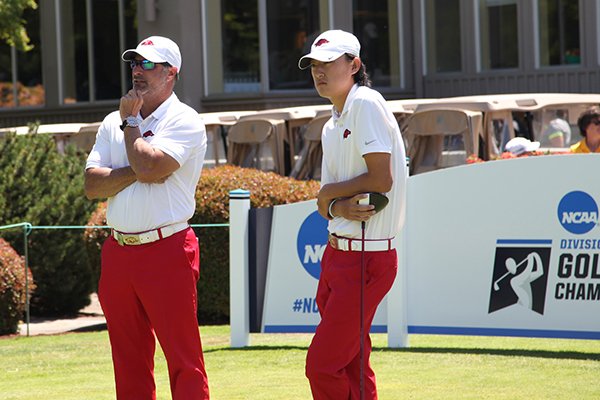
x: 12, y: 288
x: 94, y: 238
x: 212, y: 207
x: 45, y: 188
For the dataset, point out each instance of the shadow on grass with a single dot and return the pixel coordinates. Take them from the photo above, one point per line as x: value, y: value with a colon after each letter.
x: 91, y: 328
x: 256, y: 348
x: 561, y: 355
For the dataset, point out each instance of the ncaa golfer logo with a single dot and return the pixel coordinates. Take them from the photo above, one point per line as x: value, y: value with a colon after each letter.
x: 520, y: 277
x: 578, y: 212
x: 311, y: 243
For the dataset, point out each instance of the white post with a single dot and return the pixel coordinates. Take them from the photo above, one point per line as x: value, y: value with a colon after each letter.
x: 397, y: 324
x: 239, y: 207
x: 398, y: 297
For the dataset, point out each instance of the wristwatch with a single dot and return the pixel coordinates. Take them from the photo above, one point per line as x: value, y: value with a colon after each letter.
x: 130, y: 121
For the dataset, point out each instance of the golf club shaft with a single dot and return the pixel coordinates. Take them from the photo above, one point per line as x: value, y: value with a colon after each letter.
x: 362, y: 312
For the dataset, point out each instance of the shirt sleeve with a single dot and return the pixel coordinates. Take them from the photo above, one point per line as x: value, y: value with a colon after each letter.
x: 372, y: 127
x: 100, y: 155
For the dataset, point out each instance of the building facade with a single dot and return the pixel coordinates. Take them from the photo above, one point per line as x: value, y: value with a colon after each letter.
x: 243, y: 54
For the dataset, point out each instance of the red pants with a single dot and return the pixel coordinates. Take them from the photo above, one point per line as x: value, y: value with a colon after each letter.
x: 150, y: 289
x: 333, y: 359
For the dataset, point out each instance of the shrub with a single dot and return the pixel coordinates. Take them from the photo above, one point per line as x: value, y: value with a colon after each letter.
x: 12, y: 288
x: 93, y: 238
x: 212, y: 207
x: 45, y: 188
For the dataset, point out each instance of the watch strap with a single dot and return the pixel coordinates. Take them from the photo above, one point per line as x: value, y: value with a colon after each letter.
x: 130, y: 121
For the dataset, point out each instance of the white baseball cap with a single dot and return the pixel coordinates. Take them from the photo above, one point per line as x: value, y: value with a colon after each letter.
x: 157, y: 49
x: 329, y: 46
x: 520, y: 145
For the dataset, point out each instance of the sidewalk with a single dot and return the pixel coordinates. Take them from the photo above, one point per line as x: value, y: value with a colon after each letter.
x: 90, y: 318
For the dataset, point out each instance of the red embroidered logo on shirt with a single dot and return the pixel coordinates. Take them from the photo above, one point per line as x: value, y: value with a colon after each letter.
x: 321, y: 42
x: 147, y: 43
x: 347, y: 133
x: 148, y: 133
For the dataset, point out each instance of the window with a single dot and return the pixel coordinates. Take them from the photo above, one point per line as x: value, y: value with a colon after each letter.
x: 21, y: 72
x: 559, y: 32
x: 371, y: 27
x: 442, y: 21
x: 240, y: 50
x: 499, y: 34
x: 292, y: 27
x: 92, y: 65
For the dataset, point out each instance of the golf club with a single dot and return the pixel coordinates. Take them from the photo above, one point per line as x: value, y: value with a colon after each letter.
x: 379, y: 201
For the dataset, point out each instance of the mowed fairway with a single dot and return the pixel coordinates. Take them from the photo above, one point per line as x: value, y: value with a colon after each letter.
x: 78, y: 366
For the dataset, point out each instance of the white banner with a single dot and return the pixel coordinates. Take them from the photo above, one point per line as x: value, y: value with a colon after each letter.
x: 507, y: 247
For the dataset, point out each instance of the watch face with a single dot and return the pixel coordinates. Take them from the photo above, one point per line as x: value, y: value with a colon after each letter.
x: 132, y: 121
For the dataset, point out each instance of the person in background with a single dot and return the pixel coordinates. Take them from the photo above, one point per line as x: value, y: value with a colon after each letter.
x: 558, y: 132
x: 589, y: 127
x: 363, y: 152
x: 520, y: 146
x: 147, y: 161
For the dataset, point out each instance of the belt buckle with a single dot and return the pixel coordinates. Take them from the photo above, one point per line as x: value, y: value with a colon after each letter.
x: 333, y: 242
x: 120, y: 238
x: 131, y: 239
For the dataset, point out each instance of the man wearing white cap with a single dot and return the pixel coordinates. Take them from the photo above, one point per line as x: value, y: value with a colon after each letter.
x: 147, y: 161
x: 363, y: 152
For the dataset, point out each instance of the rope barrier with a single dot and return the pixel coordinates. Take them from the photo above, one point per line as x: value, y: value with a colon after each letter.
x: 28, y: 228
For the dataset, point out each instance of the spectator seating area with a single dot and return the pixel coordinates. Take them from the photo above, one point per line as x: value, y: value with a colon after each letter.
x: 438, y: 133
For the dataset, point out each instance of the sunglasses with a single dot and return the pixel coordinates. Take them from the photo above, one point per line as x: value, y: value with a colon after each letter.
x: 145, y: 64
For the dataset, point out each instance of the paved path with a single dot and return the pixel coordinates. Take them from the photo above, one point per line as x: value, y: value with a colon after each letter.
x: 89, y: 318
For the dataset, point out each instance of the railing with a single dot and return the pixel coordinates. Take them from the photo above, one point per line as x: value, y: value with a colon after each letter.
x: 28, y: 227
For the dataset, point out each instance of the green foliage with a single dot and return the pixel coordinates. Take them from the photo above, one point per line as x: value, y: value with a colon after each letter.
x: 12, y: 288
x: 94, y: 238
x: 12, y: 24
x: 45, y: 188
x: 212, y: 207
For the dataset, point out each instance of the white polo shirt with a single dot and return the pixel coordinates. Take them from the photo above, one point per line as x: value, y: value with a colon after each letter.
x: 366, y: 125
x: 177, y: 130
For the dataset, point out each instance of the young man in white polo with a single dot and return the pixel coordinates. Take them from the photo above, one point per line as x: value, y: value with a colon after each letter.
x: 363, y: 152
x: 147, y: 161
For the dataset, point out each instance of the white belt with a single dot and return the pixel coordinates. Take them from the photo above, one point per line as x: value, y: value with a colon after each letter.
x: 349, y: 244
x: 134, y: 239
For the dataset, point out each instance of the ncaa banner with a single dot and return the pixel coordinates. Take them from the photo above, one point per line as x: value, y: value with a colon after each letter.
x: 298, y: 240
x: 507, y: 247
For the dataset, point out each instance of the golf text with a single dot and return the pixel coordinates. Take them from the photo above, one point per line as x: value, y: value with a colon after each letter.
x: 581, y: 275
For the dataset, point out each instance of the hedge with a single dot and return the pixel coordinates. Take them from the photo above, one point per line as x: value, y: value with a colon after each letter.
x: 12, y: 288
x: 45, y: 188
x: 212, y: 207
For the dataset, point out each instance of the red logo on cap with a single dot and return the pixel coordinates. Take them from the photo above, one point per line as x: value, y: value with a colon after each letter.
x: 147, y: 43
x: 321, y: 42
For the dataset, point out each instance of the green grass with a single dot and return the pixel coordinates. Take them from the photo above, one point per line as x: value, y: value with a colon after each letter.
x: 78, y: 366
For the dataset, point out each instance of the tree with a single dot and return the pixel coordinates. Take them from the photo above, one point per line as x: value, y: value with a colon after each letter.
x: 12, y: 24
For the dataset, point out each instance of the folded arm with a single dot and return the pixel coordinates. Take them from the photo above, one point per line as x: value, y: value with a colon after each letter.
x: 102, y: 182
x: 149, y: 164
x: 378, y: 178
